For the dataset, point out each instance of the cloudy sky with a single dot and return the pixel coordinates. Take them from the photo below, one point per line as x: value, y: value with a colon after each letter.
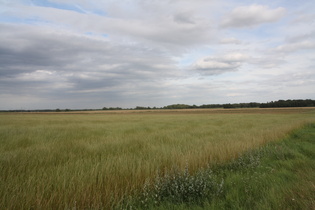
x: 103, y: 53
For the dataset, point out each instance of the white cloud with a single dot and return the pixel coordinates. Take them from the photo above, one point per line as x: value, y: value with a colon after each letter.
x: 253, y: 15
x: 220, y: 64
x: 235, y: 57
x: 210, y: 64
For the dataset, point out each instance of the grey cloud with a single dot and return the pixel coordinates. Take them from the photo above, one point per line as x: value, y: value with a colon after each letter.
x: 184, y: 18
x: 301, y: 37
x: 141, y: 52
x: 62, y: 63
x: 290, y: 84
x: 220, y: 64
x: 270, y: 60
x: 292, y: 47
x: 253, y: 15
x: 153, y: 26
x: 298, y: 42
x: 304, y: 17
x: 230, y: 40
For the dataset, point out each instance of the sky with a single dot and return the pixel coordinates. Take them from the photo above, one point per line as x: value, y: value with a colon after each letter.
x: 79, y: 54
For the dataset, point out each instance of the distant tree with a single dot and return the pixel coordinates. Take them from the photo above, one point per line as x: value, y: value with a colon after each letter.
x: 193, y: 106
x: 211, y: 106
x: 228, y: 106
x: 111, y: 108
x: 177, y: 106
x: 141, y: 107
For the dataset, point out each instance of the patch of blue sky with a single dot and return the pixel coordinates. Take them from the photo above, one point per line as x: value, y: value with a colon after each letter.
x: 6, y: 19
x: 191, y: 57
x: 46, y: 3
x: 99, y: 12
x: 70, y: 7
x: 89, y: 33
x: 93, y: 11
x: 186, y: 61
x: 31, y: 20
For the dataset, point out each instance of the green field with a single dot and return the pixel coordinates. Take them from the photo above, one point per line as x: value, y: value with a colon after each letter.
x: 94, y: 160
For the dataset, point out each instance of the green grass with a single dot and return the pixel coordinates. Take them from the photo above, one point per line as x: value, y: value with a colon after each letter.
x: 280, y: 175
x: 95, y: 160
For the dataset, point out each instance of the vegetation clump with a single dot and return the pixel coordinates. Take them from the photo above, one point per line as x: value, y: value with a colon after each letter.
x: 178, y: 187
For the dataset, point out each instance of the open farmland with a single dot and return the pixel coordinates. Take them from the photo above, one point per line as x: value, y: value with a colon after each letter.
x: 95, y: 159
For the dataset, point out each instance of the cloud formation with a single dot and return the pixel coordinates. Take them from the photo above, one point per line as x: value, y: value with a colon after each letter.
x: 220, y: 64
x: 253, y: 15
x: 79, y: 54
x: 296, y: 46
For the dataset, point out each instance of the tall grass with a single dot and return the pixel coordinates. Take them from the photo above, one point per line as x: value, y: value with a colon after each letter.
x: 280, y: 175
x: 95, y: 160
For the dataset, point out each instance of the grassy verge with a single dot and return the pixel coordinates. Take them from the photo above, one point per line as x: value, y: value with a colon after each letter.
x: 280, y: 175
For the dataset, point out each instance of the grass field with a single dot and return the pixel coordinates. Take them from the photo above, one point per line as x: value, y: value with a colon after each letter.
x: 96, y: 159
x: 279, y: 175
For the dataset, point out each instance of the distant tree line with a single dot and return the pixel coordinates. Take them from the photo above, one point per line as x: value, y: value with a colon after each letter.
x: 289, y: 103
x: 272, y: 104
x: 279, y: 103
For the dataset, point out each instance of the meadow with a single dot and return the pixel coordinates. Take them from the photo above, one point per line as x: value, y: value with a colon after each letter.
x: 95, y: 160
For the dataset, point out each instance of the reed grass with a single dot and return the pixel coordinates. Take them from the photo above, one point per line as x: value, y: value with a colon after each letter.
x: 63, y: 161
